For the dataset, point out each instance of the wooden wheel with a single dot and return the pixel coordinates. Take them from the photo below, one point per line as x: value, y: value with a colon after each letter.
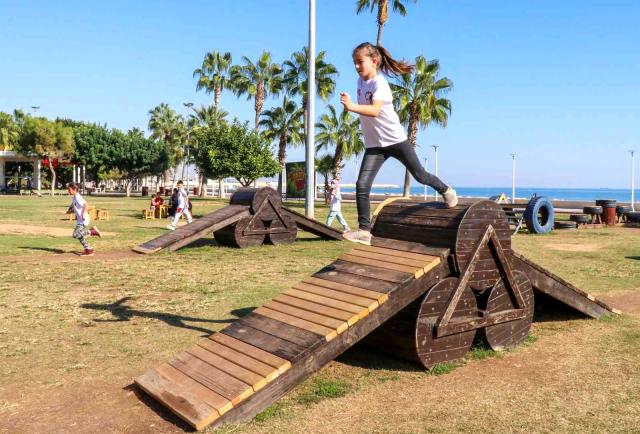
x: 433, y: 350
x: 235, y: 235
x: 509, y: 334
x: 283, y: 234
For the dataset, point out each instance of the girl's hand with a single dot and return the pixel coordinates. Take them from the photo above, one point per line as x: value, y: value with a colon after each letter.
x: 345, y: 99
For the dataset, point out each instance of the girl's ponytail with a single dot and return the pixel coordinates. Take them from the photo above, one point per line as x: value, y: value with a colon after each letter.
x: 386, y: 63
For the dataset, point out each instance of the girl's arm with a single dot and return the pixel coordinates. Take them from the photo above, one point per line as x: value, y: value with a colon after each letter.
x: 372, y: 110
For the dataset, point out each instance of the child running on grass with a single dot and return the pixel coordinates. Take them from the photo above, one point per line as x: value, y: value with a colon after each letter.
x: 80, y: 208
x: 183, y: 207
x: 335, y: 206
x: 384, y: 136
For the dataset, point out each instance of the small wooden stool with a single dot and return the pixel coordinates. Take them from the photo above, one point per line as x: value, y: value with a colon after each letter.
x: 148, y: 214
x: 103, y: 214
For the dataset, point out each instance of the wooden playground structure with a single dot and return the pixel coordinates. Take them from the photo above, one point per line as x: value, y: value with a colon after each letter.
x: 432, y: 280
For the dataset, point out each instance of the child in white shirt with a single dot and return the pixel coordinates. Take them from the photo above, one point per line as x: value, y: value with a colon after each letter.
x: 80, y: 208
x: 183, y: 207
x: 335, y: 208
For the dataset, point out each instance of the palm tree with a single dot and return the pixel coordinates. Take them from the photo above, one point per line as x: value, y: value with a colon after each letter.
x: 284, y: 124
x: 383, y: 11
x: 257, y: 81
x: 214, y: 74
x: 296, y: 78
x: 207, y: 115
x: 324, y: 166
x: 167, y: 125
x: 341, y: 131
x: 419, y: 102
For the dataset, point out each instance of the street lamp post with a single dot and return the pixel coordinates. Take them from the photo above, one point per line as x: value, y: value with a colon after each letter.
x: 513, y: 178
x: 633, y: 175
x: 435, y: 148
x: 188, y: 105
x: 35, y: 108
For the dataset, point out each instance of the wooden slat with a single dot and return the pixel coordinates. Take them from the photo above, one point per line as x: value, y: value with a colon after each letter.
x: 337, y: 325
x: 410, y: 246
x: 254, y: 380
x: 395, y: 252
x: 240, y: 359
x: 186, y: 402
x: 326, y: 332
x: 326, y: 301
x: 432, y: 265
x: 281, y: 330
x: 358, y: 260
x: 388, y: 258
x: 313, y: 226
x: 212, y: 378
x: 350, y: 289
x: 265, y: 342
x: 366, y: 303
x: 352, y: 274
x: 349, y: 317
x: 277, y: 362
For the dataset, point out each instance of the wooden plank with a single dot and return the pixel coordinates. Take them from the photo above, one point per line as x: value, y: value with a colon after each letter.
x: 326, y: 301
x: 349, y: 289
x: 186, y: 402
x: 388, y: 279
x: 326, y: 332
x: 349, y: 317
x: 313, y: 226
x: 254, y: 380
x: 282, y: 330
x: 333, y: 324
x: 417, y: 272
x: 264, y: 341
x: 366, y: 303
x: 388, y: 258
x: 240, y: 359
x: 398, y: 253
x: 410, y: 246
x: 279, y: 363
x: 212, y: 378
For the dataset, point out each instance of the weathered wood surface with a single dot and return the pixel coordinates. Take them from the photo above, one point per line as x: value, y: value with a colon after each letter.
x: 263, y: 201
x: 239, y: 234
x: 545, y: 281
x: 312, y: 226
x: 201, y: 227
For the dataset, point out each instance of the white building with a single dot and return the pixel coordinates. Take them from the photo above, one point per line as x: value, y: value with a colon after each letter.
x: 14, y: 157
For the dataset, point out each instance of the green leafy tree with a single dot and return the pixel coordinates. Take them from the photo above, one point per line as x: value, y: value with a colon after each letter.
x: 257, y: 80
x: 47, y: 140
x: 342, y: 132
x: 383, y: 11
x: 10, y: 132
x: 296, y: 78
x: 419, y: 101
x: 236, y: 151
x: 214, y: 75
x: 324, y: 166
x: 167, y: 125
x: 93, y: 145
x: 284, y: 124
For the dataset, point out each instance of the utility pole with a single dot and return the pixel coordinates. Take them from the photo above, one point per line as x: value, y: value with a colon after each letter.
x: 633, y: 175
x: 309, y: 206
x: 188, y: 105
x: 513, y: 178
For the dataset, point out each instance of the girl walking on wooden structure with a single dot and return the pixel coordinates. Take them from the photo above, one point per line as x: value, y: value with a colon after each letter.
x: 335, y: 208
x: 384, y: 136
x: 80, y: 208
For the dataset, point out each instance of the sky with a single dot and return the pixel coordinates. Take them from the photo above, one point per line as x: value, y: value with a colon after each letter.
x: 554, y: 82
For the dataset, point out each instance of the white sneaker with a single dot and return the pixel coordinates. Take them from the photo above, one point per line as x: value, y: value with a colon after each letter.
x: 359, y: 236
x: 450, y: 197
x: 171, y: 227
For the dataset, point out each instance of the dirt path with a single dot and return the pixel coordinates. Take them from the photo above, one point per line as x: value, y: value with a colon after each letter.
x: 20, y: 229
x: 551, y: 382
x: 63, y: 256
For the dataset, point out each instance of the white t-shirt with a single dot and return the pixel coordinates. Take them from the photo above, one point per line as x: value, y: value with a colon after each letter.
x: 335, y: 202
x: 77, y: 203
x: 384, y: 129
x: 182, y: 199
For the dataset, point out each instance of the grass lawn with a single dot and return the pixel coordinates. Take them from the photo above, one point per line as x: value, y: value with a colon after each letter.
x: 75, y: 331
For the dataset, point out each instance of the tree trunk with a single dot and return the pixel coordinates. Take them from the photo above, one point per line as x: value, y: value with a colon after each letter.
x: 175, y: 175
x: 337, y: 161
x: 165, y: 178
x: 203, y: 185
x: 383, y: 16
x: 53, y: 177
x: 260, y: 96
x: 282, y: 155
x: 216, y: 96
x: 127, y: 184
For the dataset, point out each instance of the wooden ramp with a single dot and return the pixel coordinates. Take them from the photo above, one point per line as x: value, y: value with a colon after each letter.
x: 313, y: 226
x: 199, y: 228
x: 545, y: 281
x: 236, y: 373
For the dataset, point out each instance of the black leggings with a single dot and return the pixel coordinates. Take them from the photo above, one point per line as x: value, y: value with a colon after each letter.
x: 371, y: 163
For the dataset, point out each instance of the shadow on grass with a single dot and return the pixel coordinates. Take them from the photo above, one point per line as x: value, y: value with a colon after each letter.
x: 547, y: 308
x: 46, y: 249
x: 122, y: 312
x: 363, y: 356
x: 637, y: 258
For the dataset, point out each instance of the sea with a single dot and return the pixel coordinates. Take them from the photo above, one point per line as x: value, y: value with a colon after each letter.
x: 570, y: 194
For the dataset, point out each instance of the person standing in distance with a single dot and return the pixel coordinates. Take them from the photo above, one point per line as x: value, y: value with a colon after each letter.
x: 384, y: 136
x: 183, y: 207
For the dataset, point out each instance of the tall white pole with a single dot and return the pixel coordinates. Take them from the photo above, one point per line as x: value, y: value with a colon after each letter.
x: 425, y: 187
x: 633, y: 175
x: 309, y: 206
x: 435, y: 148
x: 513, y: 178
